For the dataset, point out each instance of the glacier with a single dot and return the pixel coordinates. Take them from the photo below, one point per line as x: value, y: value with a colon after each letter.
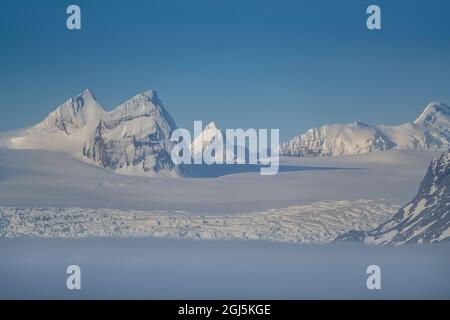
x: 317, y: 222
x: 312, y: 200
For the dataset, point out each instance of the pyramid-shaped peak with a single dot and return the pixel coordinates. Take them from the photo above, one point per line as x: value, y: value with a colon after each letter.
x: 74, y: 114
x: 85, y: 100
x: 82, y: 101
x: 87, y: 93
x: 211, y: 125
x: 144, y: 104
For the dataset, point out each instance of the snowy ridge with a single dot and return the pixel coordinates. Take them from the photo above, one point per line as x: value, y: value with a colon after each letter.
x: 317, y: 222
x: 131, y: 139
x: 423, y: 220
x: 74, y: 114
x: 429, y: 132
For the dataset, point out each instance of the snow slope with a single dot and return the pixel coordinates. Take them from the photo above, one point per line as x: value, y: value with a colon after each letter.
x: 430, y: 132
x: 76, y: 113
x: 40, y: 179
x: 63, y: 130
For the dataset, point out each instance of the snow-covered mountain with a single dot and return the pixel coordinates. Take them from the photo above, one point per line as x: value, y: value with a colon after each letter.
x: 134, y: 138
x: 63, y: 130
x: 131, y: 139
x: 74, y: 114
x: 429, y: 132
x: 209, y: 134
x: 425, y: 219
x: 210, y: 137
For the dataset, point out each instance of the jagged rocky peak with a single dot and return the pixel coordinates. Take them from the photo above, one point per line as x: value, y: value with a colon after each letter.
x: 74, y: 114
x: 211, y: 125
x: 144, y: 104
x: 141, y: 104
x: 439, y: 170
x: 134, y: 138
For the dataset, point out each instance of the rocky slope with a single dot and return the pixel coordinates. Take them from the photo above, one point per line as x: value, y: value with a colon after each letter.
x: 423, y: 220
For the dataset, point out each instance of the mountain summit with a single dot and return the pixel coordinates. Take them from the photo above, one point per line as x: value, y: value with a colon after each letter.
x: 433, y: 111
x: 429, y: 132
x: 74, y: 114
x: 134, y: 138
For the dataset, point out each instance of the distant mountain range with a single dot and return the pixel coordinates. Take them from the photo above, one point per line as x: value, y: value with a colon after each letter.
x: 134, y: 138
x: 423, y: 220
x: 429, y: 132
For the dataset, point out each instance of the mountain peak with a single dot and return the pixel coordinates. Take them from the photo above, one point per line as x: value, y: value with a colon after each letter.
x: 150, y: 95
x: 139, y: 129
x: 211, y: 125
x: 431, y: 110
x: 87, y: 94
x: 142, y: 104
x: 74, y: 114
x: 85, y: 99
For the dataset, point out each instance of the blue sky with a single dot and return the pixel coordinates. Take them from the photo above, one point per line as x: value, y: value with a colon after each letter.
x: 241, y: 63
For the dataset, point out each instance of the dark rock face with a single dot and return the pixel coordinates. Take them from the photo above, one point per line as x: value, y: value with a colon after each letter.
x: 423, y: 220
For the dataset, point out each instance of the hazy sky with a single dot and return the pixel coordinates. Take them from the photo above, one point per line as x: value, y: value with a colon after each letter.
x: 241, y: 63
